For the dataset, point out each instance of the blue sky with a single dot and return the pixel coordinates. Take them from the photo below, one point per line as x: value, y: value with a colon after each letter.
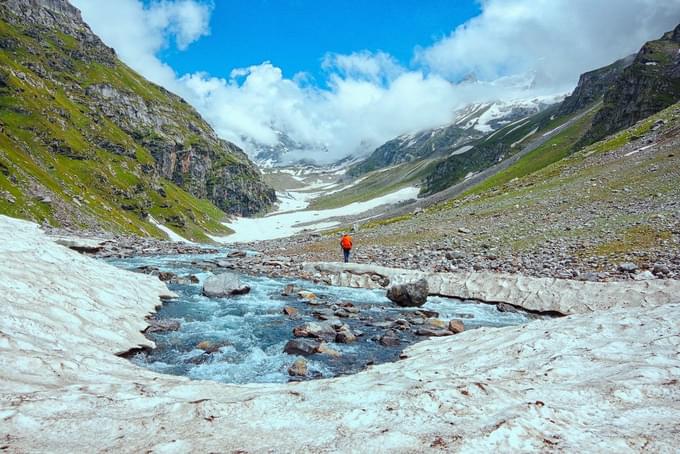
x: 296, y: 34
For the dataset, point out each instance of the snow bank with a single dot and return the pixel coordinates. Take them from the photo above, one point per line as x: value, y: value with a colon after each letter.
x: 285, y: 223
x: 603, y: 381
x: 532, y: 293
x: 171, y: 235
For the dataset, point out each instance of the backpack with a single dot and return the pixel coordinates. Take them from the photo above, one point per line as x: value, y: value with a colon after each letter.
x: 346, y: 242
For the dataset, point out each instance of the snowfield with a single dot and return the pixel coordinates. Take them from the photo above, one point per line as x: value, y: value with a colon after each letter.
x: 284, y: 222
x: 595, y: 382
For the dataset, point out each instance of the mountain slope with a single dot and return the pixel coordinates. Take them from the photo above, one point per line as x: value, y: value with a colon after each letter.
x: 579, y: 217
x: 592, y: 86
x: 411, y: 147
x: 492, y: 149
x: 86, y: 141
x: 650, y: 84
x: 469, y: 124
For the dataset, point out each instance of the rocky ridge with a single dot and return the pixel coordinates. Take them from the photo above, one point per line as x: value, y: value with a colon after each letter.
x: 592, y: 86
x: 88, y: 142
x: 646, y: 86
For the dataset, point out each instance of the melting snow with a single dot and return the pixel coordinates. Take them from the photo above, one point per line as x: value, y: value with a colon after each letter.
x: 531, y: 133
x: 461, y: 150
x: 600, y: 381
x: 283, y: 224
x: 171, y: 235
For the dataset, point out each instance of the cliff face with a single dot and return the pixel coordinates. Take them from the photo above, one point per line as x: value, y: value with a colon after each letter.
x: 650, y: 84
x: 593, y: 85
x: 75, y: 120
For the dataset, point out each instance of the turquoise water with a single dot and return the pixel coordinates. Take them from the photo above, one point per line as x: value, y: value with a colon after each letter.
x: 251, y: 330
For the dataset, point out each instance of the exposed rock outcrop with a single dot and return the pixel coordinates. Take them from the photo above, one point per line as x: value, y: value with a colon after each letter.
x: 650, y: 84
x: 592, y: 86
x: 92, y: 143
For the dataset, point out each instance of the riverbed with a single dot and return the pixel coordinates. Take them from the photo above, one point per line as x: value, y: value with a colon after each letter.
x: 241, y: 339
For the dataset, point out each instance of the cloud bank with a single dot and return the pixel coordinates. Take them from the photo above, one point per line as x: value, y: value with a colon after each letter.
x: 514, y: 49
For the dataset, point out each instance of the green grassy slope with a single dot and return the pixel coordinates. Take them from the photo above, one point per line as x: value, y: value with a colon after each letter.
x: 376, y: 184
x: 59, y: 166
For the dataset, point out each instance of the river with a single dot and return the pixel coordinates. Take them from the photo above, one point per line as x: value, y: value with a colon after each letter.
x: 246, y: 334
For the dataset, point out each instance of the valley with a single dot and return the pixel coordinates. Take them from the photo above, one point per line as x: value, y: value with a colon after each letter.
x: 513, y: 283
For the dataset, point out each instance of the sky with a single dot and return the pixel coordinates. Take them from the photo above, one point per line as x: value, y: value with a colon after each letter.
x: 343, y: 77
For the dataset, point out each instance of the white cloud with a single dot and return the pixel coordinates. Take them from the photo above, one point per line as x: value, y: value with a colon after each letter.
x: 138, y: 33
x: 378, y: 67
x: 555, y: 39
x: 516, y: 48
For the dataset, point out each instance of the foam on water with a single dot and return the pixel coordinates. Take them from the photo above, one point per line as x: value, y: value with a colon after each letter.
x: 250, y: 331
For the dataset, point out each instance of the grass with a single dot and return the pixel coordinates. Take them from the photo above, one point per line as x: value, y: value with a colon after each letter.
x: 636, y: 238
x: 550, y: 152
x: 89, y: 185
x: 376, y: 184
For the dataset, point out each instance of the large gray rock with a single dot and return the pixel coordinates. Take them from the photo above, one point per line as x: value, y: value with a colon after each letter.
x: 323, y: 330
x: 410, y: 294
x: 225, y: 284
x: 303, y: 347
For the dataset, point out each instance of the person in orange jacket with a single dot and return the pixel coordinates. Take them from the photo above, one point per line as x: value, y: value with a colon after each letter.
x: 346, y: 245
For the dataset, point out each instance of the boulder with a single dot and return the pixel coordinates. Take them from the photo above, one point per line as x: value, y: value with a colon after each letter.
x: 326, y: 350
x: 342, y: 312
x: 306, y: 296
x: 409, y: 295
x: 504, y: 307
x: 627, y: 267
x: 158, y: 326
x: 316, y: 330
x: 288, y: 290
x: 401, y: 324
x: 225, y: 284
x: 426, y: 314
x: 456, y: 326
x: 210, y: 346
x: 298, y: 368
x: 184, y: 280
x: 290, y: 311
x: 345, y: 335
x: 435, y: 323
x: 304, y: 347
x: 389, y: 340
x: 661, y: 269
x: 166, y: 276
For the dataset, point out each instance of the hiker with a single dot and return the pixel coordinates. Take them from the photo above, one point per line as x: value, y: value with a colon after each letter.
x: 346, y: 245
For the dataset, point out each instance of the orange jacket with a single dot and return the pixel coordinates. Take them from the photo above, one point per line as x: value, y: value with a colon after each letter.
x: 346, y: 242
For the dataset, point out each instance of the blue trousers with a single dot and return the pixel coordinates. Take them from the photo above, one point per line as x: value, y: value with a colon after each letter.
x: 345, y: 254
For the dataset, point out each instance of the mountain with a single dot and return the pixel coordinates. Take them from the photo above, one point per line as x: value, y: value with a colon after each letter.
x: 648, y: 85
x: 604, y: 102
x: 103, y: 145
x: 592, y: 86
x: 287, y: 151
x: 469, y: 124
x: 492, y: 149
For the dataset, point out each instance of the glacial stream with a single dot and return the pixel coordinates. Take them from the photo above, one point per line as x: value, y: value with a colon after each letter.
x: 241, y: 339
